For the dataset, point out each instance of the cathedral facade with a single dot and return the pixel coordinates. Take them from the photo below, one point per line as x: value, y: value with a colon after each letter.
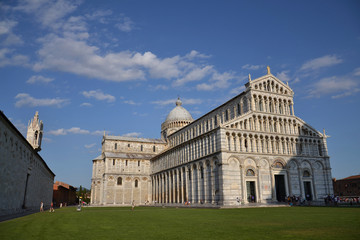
x: 252, y: 148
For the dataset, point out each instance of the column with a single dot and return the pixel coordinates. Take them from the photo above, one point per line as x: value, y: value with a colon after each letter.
x: 174, y: 187
x: 205, y: 179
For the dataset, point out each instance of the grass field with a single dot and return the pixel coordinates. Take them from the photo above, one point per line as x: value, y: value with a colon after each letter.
x: 183, y: 223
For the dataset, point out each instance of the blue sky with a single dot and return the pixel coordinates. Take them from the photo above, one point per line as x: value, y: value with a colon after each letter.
x: 118, y: 66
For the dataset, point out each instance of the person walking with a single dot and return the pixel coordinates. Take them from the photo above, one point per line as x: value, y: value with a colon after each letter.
x: 52, y: 207
x: 133, y: 205
x: 41, y: 206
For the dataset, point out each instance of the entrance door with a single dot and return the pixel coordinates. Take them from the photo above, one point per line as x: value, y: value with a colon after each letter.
x: 250, y: 189
x: 280, y: 188
x: 307, y: 188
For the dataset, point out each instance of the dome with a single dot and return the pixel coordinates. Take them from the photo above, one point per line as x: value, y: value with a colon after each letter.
x: 179, y: 113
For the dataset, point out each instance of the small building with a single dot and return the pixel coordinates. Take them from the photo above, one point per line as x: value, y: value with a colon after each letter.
x: 64, y: 193
x: 25, y: 178
x: 347, y: 187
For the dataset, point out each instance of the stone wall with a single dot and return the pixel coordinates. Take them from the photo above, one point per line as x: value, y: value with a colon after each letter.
x: 25, y: 179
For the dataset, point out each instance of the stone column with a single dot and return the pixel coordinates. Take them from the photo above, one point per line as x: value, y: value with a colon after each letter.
x: 174, y: 187
x: 186, y: 179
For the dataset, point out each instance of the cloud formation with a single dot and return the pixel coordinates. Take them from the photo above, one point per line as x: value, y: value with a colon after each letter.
x: 39, y: 79
x: 9, y: 58
x: 24, y: 99
x: 338, y: 87
x: 74, y: 130
x: 324, y: 61
x: 252, y: 67
x: 98, y: 95
x: 49, y: 12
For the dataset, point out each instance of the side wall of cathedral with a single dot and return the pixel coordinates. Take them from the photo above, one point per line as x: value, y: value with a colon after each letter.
x: 25, y: 179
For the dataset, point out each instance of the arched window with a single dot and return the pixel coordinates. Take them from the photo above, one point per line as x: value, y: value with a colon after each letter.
x: 226, y: 115
x: 306, y: 173
x: 138, y: 163
x: 278, y: 165
x: 136, y: 183
x: 141, y: 148
x: 250, y: 172
x: 113, y: 162
x: 115, y: 146
x: 154, y: 148
x: 119, y: 181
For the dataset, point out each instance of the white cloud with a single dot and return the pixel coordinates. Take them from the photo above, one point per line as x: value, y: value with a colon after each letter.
x: 48, y: 12
x: 99, y: 95
x: 7, y: 58
x: 195, y: 54
x: 58, y: 132
x: 195, y: 74
x: 75, y: 130
x: 252, y: 67
x: 6, y: 27
x: 76, y: 56
x: 325, y: 61
x: 89, y: 145
x: 24, y: 99
x: 283, y: 76
x: 357, y: 72
x: 99, y: 14
x: 125, y: 24
x: 217, y: 80
x: 341, y: 87
x: 132, y: 134
x: 131, y: 102
x: 39, y: 79
x: 86, y: 104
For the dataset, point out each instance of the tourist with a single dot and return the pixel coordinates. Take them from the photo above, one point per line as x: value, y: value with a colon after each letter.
x: 52, y: 207
x: 133, y: 205
x: 41, y: 206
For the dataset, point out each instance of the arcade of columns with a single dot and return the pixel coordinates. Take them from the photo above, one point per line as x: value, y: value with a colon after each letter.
x: 197, y: 182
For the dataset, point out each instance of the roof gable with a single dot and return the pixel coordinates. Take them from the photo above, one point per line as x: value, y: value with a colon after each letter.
x: 269, y: 83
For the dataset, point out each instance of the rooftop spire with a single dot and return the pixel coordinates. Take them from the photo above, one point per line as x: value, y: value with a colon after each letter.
x: 268, y: 70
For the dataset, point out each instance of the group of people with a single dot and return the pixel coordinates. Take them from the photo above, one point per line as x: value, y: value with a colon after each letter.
x: 51, y: 207
x: 334, y: 200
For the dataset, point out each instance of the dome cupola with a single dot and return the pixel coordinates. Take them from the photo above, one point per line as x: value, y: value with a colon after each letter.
x: 176, y: 119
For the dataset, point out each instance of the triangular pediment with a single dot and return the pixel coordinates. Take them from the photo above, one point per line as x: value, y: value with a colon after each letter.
x: 269, y: 83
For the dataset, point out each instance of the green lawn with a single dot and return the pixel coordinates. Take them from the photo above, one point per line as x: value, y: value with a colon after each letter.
x: 183, y: 223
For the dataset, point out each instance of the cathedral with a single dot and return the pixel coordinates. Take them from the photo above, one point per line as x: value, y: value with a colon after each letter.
x: 252, y: 148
